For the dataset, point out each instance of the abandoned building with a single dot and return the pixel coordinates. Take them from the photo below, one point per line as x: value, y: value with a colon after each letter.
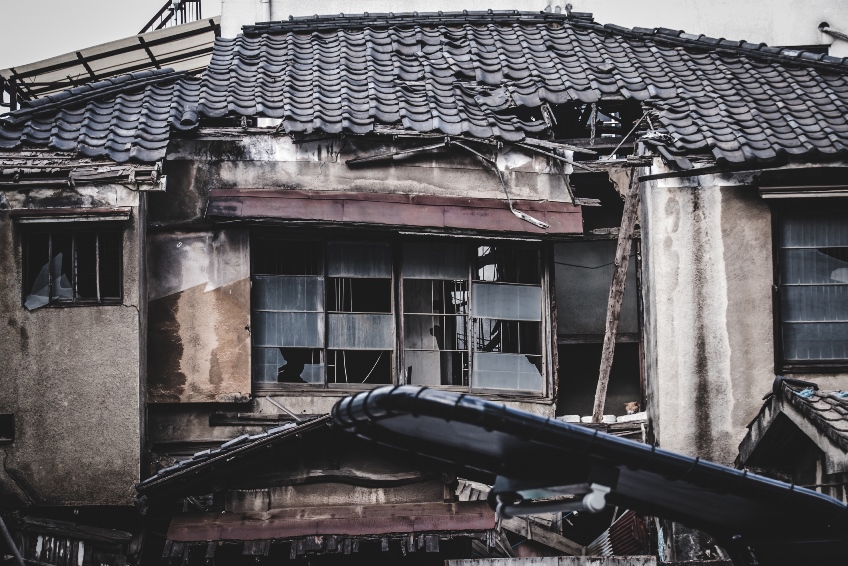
x: 195, y: 267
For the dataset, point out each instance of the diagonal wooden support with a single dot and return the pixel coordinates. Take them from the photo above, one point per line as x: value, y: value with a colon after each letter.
x: 616, y: 294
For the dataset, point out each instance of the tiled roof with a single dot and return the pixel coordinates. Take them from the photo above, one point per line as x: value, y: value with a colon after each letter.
x: 826, y: 410
x: 125, y: 118
x: 476, y: 74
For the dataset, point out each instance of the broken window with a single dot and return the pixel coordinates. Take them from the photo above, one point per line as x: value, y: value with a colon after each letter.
x: 72, y: 266
x: 322, y: 312
x: 468, y: 316
x: 506, y: 306
x: 813, y: 287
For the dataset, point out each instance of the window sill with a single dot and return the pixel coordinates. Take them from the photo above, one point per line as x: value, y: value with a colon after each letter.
x: 64, y: 305
x: 342, y: 390
x: 834, y: 367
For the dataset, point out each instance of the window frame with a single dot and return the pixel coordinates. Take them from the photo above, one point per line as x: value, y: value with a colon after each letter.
x: 779, y: 212
x: 398, y: 377
x: 71, y: 229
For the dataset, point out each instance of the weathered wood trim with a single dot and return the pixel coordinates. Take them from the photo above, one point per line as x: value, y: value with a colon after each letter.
x: 616, y: 294
x: 530, y: 530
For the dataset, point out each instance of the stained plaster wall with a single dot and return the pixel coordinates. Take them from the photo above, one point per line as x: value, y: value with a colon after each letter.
x: 707, y: 289
x: 70, y: 375
x: 257, y: 161
x: 708, y: 312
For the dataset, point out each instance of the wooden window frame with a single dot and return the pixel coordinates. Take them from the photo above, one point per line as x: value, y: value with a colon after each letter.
x: 779, y: 211
x: 72, y: 229
x: 396, y: 242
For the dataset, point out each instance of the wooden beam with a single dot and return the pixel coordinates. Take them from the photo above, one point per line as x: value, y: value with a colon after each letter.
x: 531, y: 530
x: 616, y: 294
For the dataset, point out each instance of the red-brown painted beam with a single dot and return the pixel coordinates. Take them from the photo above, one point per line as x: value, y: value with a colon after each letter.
x: 420, y: 211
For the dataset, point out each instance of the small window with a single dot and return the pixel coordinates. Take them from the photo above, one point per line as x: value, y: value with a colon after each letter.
x: 71, y: 266
x: 812, y: 259
x: 7, y: 428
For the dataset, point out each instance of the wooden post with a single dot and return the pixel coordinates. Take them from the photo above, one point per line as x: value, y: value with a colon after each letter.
x: 616, y: 294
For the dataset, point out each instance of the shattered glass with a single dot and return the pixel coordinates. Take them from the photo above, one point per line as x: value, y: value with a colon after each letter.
x: 52, y: 272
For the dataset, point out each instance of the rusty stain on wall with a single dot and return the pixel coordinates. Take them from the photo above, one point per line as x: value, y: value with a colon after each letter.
x: 199, y: 314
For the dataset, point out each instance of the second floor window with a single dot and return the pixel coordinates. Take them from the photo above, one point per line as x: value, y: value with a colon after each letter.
x: 813, y: 288
x: 362, y: 313
x: 72, y: 265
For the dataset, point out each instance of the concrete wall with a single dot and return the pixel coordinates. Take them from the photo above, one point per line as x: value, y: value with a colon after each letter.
x: 776, y: 22
x: 707, y: 289
x: 70, y: 375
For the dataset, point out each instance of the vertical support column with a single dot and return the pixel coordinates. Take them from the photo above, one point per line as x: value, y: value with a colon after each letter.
x: 616, y: 294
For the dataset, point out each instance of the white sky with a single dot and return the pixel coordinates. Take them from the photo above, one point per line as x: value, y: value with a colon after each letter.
x: 38, y: 29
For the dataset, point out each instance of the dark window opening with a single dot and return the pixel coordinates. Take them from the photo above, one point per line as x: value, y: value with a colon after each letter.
x: 72, y: 266
x: 812, y: 274
x: 579, y: 366
x: 358, y: 367
x: 7, y: 428
x: 275, y: 257
x: 507, y: 264
x: 359, y: 295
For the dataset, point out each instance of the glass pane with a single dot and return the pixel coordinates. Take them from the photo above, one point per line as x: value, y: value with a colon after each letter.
x: 509, y: 302
x: 435, y: 261
x: 359, y: 366
x: 287, y: 365
x: 436, y: 368
x: 36, y: 278
x: 814, y: 265
x: 293, y: 329
x: 86, y: 250
x: 359, y: 295
x: 359, y: 259
x: 287, y: 257
x: 813, y: 303
x: 288, y: 293
x: 507, y: 336
x: 435, y: 332
x: 507, y: 371
x: 507, y: 264
x: 360, y: 331
x: 110, y: 264
x: 815, y: 341
x: 438, y: 297
x: 62, y: 267
x: 814, y: 229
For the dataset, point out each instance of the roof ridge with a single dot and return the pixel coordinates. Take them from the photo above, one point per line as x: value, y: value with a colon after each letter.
x: 742, y: 47
x: 582, y: 20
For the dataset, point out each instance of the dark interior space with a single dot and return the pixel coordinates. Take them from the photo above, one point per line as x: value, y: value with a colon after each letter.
x: 598, y: 186
x: 579, y: 365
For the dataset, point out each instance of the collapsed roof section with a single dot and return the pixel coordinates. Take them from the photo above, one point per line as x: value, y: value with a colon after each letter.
x: 484, y: 74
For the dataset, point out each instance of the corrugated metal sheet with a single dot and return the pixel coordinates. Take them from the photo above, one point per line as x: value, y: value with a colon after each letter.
x: 627, y: 536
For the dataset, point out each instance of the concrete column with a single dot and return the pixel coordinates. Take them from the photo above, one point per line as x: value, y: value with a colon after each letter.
x: 707, y: 284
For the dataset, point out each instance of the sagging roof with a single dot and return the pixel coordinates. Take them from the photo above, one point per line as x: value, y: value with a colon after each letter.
x: 820, y: 415
x: 535, y: 458
x: 481, y: 74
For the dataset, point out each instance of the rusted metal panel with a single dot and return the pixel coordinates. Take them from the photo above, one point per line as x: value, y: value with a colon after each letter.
x: 199, y: 315
x: 353, y: 520
x: 401, y: 210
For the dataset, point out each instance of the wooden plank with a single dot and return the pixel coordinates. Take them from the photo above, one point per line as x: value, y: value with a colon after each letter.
x: 532, y: 531
x: 560, y: 561
x: 616, y: 294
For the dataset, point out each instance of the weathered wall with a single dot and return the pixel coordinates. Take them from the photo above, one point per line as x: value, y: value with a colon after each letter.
x: 70, y: 375
x: 707, y: 289
x: 199, y: 316
x: 267, y: 161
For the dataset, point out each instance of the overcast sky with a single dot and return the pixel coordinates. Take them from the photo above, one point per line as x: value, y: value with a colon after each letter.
x: 38, y: 29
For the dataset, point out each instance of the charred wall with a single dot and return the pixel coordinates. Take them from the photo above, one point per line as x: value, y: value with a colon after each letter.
x: 70, y: 374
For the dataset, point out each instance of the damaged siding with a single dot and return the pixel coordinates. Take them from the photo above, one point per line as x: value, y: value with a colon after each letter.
x: 199, y: 316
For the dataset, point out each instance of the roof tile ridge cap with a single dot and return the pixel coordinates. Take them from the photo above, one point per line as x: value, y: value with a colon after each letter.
x: 25, y: 114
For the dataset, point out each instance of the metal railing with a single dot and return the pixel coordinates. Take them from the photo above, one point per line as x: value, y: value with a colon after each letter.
x: 174, y: 13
